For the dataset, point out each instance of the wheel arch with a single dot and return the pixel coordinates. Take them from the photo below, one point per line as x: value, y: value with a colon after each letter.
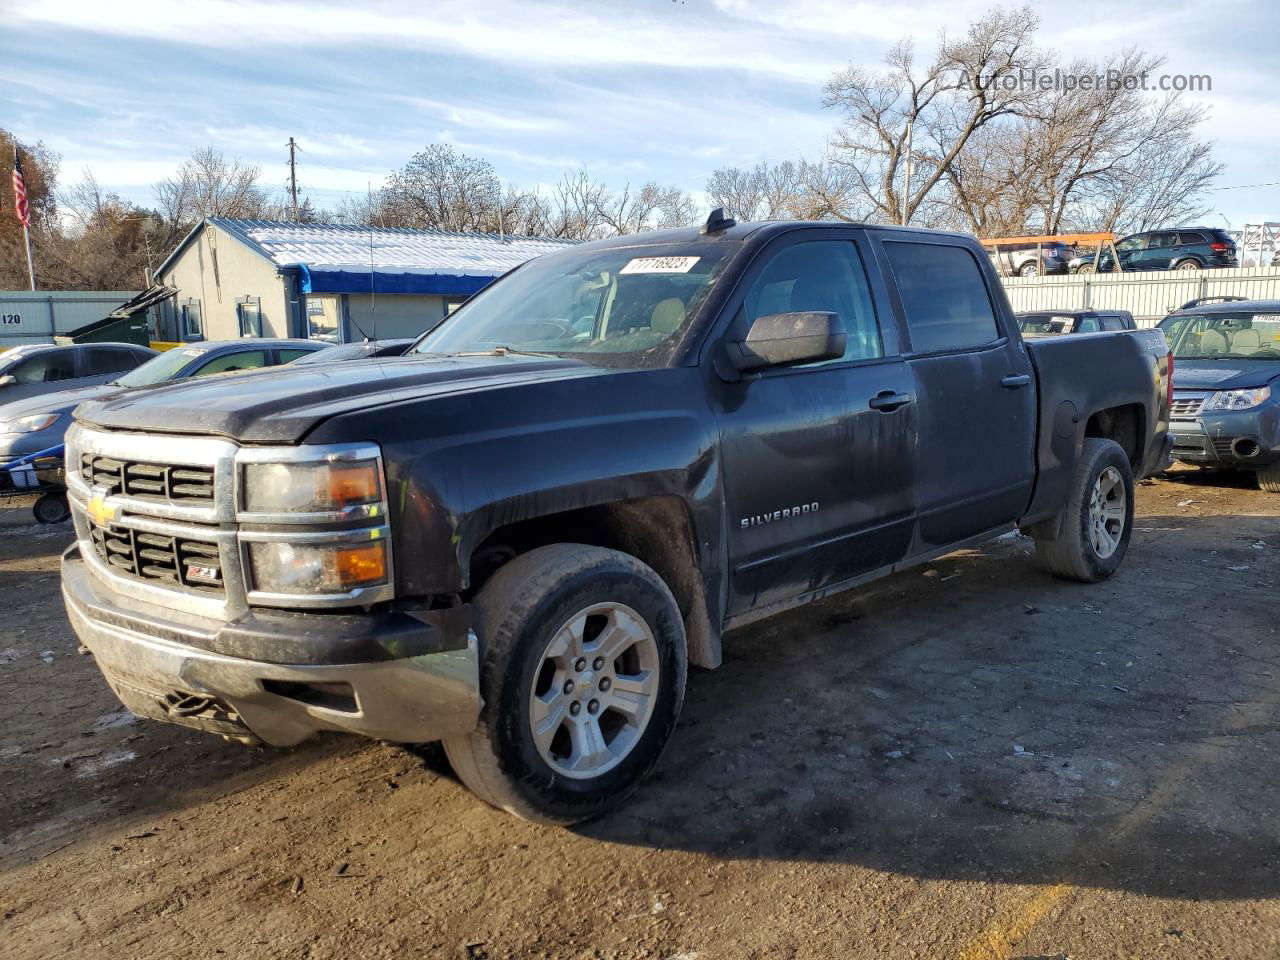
x: 657, y: 530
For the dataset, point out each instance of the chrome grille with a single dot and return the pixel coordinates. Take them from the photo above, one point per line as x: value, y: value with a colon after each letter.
x: 1187, y: 405
x: 172, y: 482
x: 170, y: 561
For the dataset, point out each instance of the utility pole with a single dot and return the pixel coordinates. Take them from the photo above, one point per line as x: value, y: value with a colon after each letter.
x: 293, y: 177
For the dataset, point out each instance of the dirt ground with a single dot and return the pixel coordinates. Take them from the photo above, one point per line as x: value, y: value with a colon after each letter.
x: 970, y: 760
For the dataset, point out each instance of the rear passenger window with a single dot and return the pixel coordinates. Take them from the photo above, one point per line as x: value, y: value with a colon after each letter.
x: 288, y: 356
x: 943, y: 296
x: 110, y: 360
x: 822, y: 276
x: 1087, y: 325
x: 1113, y: 323
x: 1184, y: 238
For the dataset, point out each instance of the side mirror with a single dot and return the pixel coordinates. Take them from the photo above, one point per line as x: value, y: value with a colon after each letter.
x: 8, y: 380
x: 787, y: 338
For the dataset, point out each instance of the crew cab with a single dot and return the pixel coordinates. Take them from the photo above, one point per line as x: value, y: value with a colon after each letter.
x: 516, y: 537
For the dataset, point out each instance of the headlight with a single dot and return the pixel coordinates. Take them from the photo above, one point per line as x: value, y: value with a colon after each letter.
x: 311, y: 569
x: 312, y: 487
x: 1237, y: 399
x: 32, y: 424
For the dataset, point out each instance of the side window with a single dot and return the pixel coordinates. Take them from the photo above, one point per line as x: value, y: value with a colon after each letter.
x: 819, y: 275
x: 46, y: 367
x: 192, y: 322
x: 249, y: 313
x: 1129, y: 244
x: 244, y: 360
x: 102, y: 360
x: 1188, y: 238
x: 943, y: 296
x: 288, y: 356
x: 1161, y: 241
x: 1087, y: 325
x: 1113, y: 323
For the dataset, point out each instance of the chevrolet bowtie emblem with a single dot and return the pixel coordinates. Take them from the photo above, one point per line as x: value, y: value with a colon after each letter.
x: 101, y: 512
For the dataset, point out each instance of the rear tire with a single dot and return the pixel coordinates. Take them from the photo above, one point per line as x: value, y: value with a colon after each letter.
x: 1188, y: 265
x: 582, y: 672
x: 1269, y: 478
x: 1031, y: 269
x: 1098, y: 517
x: 51, y: 508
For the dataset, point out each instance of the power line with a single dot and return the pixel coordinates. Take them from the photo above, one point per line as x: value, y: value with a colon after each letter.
x: 1248, y: 186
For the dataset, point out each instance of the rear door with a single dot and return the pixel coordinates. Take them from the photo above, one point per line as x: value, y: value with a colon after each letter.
x: 1160, y: 252
x: 100, y: 364
x: 975, y: 390
x: 818, y: 459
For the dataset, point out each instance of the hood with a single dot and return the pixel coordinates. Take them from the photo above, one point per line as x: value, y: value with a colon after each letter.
x: 62, y: 401
x: 282, y: 404
x: 1228, y: 374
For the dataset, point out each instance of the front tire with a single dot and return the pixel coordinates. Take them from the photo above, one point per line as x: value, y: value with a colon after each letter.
x: 1269, y: 478
x: 1098, y: 518
x: 1031, y: 269
x: 583, y: 665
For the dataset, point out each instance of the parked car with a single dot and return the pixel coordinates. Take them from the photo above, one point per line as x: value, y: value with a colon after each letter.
x: 37, y: 368
x: 357, y: 351
x: 1028, y: 260
x: 1226, y: 396
x: 38, y: 423
x: 1049, y: 322
x: 515, y: 538
x: 1187, y: 248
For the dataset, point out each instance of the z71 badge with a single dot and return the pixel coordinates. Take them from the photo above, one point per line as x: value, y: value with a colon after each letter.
x: 786, y: 513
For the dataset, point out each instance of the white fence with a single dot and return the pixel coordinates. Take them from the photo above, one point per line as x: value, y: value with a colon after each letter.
x: 1149, y: 296
x: 36, y: 317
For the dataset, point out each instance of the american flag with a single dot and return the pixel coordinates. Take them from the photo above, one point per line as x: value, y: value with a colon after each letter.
x: 20, y: 191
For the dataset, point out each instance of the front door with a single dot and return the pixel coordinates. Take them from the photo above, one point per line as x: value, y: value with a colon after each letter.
x: 975, y: 389
x: 819, y: 458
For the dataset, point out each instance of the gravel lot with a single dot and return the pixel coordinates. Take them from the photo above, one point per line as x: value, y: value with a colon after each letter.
x: 970, y: 760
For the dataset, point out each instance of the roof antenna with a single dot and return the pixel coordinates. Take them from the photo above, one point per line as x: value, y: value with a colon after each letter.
x: 717, y: 221
x: 373, y: 293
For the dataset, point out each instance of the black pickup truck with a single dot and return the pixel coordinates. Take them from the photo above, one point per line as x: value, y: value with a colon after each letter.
x: 515, y: 538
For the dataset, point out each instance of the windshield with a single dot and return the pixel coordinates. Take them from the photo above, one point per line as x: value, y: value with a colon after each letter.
x: 1238, y: 336
x: 610, y: 307
x: 160, y: 368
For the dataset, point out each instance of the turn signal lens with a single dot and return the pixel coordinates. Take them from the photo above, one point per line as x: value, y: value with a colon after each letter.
x: 349, y: 483
x: 356, y: 566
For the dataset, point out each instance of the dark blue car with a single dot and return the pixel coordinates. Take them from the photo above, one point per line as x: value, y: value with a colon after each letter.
x: 1226, y: 379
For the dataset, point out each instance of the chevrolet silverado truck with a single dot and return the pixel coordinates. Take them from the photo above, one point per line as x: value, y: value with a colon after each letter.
x: 517, y: 537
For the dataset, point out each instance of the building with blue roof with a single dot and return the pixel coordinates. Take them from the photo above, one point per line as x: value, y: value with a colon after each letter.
x: 263, y: 278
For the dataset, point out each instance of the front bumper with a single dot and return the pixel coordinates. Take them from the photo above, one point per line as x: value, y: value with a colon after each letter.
x: 407, y: 677
x: 1245, y: 438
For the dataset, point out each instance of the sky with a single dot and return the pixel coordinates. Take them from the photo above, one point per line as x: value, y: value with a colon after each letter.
x: 632, y: 91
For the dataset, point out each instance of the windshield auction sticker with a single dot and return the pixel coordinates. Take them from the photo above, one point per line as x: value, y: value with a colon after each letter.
x: 660, y: 265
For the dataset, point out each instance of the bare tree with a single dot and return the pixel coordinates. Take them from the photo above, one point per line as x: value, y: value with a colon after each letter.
x: 939, y: 108
x: 209, y: 185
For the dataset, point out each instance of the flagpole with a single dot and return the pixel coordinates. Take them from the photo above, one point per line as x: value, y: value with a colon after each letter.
x: 31, y: 270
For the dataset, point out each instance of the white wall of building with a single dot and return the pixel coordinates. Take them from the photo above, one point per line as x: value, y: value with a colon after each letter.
x: 218, y: 271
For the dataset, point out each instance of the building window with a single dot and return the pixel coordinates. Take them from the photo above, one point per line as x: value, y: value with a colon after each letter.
x: 192, y: 322
x: 453, y: 303
x: 249, y: 310
x: 323, y: 315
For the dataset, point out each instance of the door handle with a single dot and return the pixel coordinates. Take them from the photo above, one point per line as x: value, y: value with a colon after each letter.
x: 1015, y: 380
x: 886, y: 401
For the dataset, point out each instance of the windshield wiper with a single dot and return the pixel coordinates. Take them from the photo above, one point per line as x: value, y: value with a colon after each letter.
x: 501, y: 351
